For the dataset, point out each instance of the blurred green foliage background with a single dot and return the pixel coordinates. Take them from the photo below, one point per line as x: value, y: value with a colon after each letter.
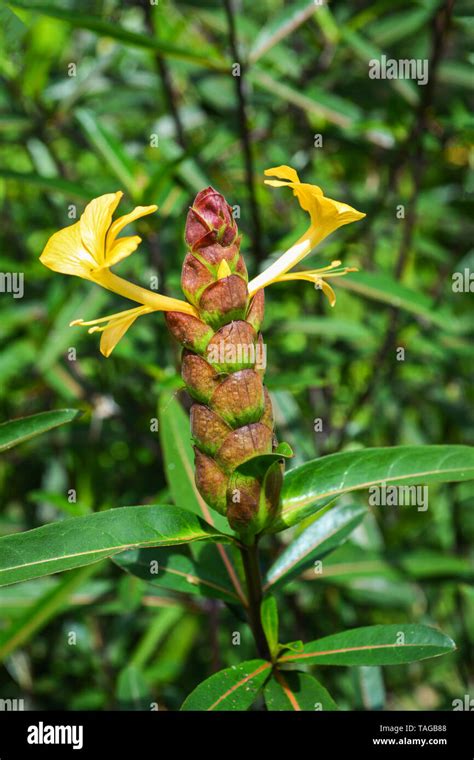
x: 98, y: 96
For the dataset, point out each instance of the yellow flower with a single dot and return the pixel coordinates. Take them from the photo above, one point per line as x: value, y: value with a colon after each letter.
x: 90, y: 247
x: 326, y: 216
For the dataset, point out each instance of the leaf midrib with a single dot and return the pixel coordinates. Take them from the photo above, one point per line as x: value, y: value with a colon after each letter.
x: 196, y: 580
x: 305, y: 655
x: 240, y: 683
x: 106, y: 551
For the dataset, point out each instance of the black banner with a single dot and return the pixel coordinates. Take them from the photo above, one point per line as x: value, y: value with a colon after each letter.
x: 375, y: 734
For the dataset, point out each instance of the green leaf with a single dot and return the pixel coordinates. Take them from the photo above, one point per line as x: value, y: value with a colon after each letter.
x: 268, y: 470
x: 110, y: 149
x: 369, y: 687
x: 176, y: 650
x: 330, y: 329
x: 114, y: 31
x: 175, y: 569
x: 296, y: 691
x: 375, y: 645
x: 280, y: 26
x: 59, y: 335
x: 456, y: 73
x: 133, y: 692
x: 322, y: 536
x: 54, y: 184
x: 293, y: 646
x: 380, y: 592
x: 366, y: 578
x: 308, y: 488
x: 294, y: 96
x: 350, y: 562
x: 269, y: 618
x: 425, y: 563
x: 159, y: 627
x: 17, y: 598
x: 16, y: 431
x: 234, y: 688
x: 39, y: 614
x: 398, y: 26
x: 13, y: 29
x: 316, y: 102
x: 380, y: 287
x: 83, y: 540
x: 258, y: 466
x: 366, y: 51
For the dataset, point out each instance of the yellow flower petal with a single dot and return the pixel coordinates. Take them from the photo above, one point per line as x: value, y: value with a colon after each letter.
x: 108, y: 318
x: 284, y: 172
x: 326, y: 216
x: 95, y: 223
x: 155, y: 301
x: 65, y: 252
x: 90, y: 245
x: 327, y: 290
x: 118, y: 225
x: 112, y: 327
x: 223, y: 270
x: 122, y: 248
x: 114, y: 333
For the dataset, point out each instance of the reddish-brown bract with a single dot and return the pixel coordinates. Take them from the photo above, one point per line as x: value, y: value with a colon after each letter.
x: 231, y: 419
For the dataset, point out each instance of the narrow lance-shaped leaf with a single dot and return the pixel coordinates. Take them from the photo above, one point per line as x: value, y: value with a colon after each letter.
x: 133, y: 692
x: 175, y: 569
x: 425, y: 563
x: 354, y: 562
x: 380, y: 287
x: 325, y: 534
x: 53, y: 184
x: 269, y: 618
x: 374, y: 645
x: 16, y: 431
x: 109, y: 149
x: 291, y: 691
x: 37, y: 615
x: 114, y: 31
x: 59, y: 336
x: 234, y: 688
x: 82, y: 540
x: 280, y: 26
x: 159, y: 629
x: 308, y: 488
x: 369, y: 687
x: 294, y: 96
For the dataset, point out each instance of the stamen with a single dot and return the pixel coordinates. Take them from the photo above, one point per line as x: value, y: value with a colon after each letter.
x: 117, y: 320
x: 127, y: 313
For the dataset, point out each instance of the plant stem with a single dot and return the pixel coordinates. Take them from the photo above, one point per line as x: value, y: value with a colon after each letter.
x: 254, y: 590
